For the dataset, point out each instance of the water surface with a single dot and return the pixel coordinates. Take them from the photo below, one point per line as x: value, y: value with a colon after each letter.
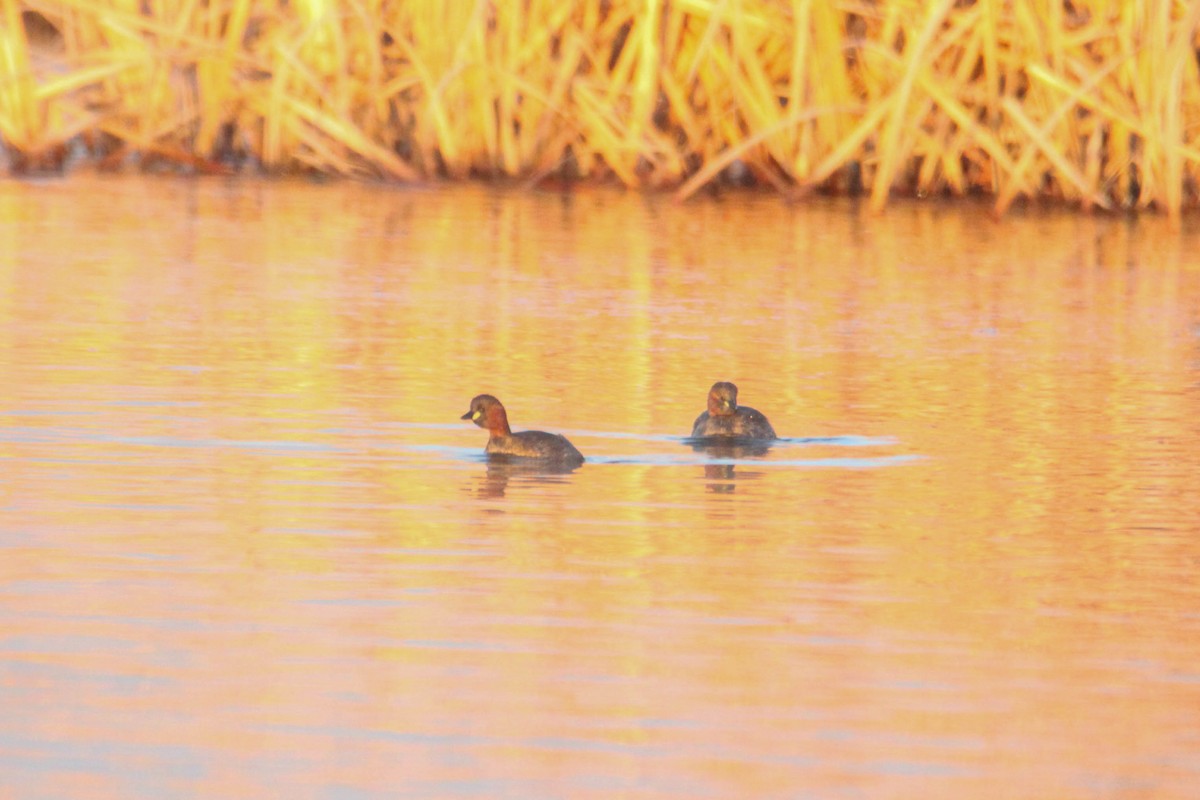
x: 248, y: 549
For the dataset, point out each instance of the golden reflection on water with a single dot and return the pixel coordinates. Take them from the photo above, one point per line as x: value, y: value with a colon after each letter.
x: 249, y: 547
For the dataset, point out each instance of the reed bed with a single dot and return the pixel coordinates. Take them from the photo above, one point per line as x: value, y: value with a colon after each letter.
x: 1091, y: 102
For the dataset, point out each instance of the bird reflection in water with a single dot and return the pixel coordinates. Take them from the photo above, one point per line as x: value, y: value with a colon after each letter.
x: 502, y: 469
x: 722, y: 477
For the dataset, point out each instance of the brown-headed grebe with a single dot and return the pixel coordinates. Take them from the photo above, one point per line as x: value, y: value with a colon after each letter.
x: 487, y: 412
x: 725, y: 417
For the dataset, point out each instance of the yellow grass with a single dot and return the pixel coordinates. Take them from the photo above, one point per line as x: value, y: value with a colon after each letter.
x: 1095, y: 102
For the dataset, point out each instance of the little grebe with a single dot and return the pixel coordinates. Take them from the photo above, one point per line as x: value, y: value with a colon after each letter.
x: 487, y: 412
x: 725, y: 417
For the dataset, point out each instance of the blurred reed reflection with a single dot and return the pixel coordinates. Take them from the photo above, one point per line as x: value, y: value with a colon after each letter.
x: 250, y: 549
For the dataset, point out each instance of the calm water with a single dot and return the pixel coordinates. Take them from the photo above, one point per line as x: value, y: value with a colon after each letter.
x: 248, y: 549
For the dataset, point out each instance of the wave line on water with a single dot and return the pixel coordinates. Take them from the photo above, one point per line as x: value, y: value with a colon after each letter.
x: 245, y: 444
x: 664, y: 460
x: 844, y: 440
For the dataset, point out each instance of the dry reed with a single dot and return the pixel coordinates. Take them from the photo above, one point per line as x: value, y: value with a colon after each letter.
x: 1094, y: 102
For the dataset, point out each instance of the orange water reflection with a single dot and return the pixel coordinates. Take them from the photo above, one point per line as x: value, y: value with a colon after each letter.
x: 248, y: 548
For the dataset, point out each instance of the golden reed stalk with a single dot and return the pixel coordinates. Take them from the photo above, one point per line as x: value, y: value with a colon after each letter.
x: 1093, y: 102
